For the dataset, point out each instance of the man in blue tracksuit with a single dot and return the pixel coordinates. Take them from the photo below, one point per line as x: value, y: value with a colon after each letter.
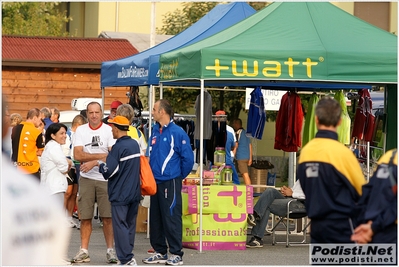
x: 379, y: 202
x: 171, y: 160
x: 122, y: 170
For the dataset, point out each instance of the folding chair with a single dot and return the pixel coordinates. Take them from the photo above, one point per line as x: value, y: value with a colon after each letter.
x: 291, y: 214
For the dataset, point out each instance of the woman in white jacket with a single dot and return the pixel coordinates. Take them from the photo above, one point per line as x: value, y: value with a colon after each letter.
x: 53, y: 163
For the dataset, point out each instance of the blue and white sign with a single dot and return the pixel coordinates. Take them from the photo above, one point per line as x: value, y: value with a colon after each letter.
x: 272, y: 98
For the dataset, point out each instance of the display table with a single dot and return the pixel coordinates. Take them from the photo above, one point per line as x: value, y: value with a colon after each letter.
x: 224, y: 216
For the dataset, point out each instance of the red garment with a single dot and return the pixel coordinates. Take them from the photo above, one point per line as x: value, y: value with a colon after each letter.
x: 289, y: 123
x: 363, y: 124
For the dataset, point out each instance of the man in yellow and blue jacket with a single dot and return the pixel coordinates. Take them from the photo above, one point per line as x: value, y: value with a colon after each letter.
x: 331, y: 178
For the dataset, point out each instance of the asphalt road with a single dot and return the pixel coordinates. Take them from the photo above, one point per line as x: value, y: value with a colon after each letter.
x: 278, y: 254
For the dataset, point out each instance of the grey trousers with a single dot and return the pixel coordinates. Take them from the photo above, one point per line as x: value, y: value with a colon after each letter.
x: 272, y: 201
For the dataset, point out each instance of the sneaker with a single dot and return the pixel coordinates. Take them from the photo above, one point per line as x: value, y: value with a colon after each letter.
x: 111, y: 256
x: 268, y: 232
x: 255, y: 243
x: 71, y: 223
x: 251, y: 220
x: 156, y: 258
x: 131, y: 262
x: 81, y: 256
x: 75, y: 215
x: 77, y: 223
x: 66, y: 262
x: 174, y: 260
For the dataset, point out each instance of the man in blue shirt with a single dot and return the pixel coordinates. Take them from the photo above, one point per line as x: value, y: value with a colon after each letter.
x: 244, y: 150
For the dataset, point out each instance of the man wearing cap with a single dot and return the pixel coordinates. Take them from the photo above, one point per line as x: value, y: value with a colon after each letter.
x: 122, y: 170
x: 114, y: 105
x: 93, y: 140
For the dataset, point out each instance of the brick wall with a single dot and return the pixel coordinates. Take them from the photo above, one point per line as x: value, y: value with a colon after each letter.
x: 27, y: 88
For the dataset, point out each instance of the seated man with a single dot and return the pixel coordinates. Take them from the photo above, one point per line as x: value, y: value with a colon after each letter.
x: 273, y: 201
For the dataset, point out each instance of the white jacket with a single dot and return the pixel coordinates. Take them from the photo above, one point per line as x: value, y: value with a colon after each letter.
x: 53, y: 165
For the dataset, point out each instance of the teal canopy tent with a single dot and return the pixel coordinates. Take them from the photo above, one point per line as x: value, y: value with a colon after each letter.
x: 291, y: 44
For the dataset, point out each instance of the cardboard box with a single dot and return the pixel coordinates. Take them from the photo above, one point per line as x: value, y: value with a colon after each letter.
x: 258, y: 177
x: 141, y: 221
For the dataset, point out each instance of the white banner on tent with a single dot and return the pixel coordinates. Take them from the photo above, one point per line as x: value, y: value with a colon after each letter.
x: 272, y: 98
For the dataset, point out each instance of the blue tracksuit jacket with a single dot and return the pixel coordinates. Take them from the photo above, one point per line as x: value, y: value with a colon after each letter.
x: 171, y: 155
x: 122, y: 170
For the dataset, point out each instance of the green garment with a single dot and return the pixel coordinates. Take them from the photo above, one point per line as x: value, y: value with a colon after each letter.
x: 343, y: 129
x: 310, y: 129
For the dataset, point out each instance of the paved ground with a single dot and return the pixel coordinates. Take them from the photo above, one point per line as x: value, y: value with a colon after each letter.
x: 268, y: 255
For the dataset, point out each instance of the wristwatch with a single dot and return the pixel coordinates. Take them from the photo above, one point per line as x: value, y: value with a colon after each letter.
x: 99, y: 162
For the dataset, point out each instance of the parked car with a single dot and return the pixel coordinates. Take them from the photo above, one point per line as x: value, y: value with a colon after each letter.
x: 78, y: 104
x: 66, y: 117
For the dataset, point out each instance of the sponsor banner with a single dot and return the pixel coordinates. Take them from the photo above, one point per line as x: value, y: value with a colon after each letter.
x: 353, y: 254
x: 234, y: 199
x: 219, y: 231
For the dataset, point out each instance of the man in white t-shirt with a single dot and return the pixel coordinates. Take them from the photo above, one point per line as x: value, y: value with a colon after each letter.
x: 92, y: 141
x: 34, y: 228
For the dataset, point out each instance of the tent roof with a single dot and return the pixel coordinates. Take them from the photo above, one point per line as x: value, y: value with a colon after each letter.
x: 289, y: 42
x: 136, y: 70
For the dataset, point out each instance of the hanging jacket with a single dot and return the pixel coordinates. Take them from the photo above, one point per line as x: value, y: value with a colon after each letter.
x: 344, y: 128
x: 289, y: 123
x: 256, y: 115
x: 310, y: 128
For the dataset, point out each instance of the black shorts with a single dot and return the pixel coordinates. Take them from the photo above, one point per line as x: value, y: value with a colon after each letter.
x: 71, y: 177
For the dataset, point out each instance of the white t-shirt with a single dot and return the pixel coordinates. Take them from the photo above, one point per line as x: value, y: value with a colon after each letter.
x: 94, y: 141
x: 34, y: 226
x: 231, y: 130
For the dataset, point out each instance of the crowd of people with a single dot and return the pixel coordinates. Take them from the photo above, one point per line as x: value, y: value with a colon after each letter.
x: 92, y: 162
x: 97, y: 160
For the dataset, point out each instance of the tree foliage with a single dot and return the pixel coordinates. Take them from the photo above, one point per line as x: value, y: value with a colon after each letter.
x: 180, y: 19
x: 232, y: 101
x: 33, y: 19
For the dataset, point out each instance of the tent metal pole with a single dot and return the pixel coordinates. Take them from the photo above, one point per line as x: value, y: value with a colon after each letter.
x: 291, y: 168
x: 201, y: 155
x: 103, y: 98
x: 150, y: 92
x: 160, y: 91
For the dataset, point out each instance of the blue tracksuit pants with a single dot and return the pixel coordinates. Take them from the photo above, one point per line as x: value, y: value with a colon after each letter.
x: 166, y: 218
x: 124, y: 227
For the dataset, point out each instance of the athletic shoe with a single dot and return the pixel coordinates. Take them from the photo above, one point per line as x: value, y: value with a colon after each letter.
x: 66, y: 262
x: 268, y: 232
x: 255, y: 243
x: 77, y: 223
x: 251, y: 220
x: 111, y: 256
x: 174, y: 260
x: 71, y: 223
x: 81, y: 256
x: 131, y: 262
x: 156, y: 258
x: 75, y: 215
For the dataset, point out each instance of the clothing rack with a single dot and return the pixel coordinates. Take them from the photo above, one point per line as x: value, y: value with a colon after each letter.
x: 219, y: 117
x: 185, y: 116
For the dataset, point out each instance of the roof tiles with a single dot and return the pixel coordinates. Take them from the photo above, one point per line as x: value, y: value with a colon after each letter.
x: 65, y: 49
